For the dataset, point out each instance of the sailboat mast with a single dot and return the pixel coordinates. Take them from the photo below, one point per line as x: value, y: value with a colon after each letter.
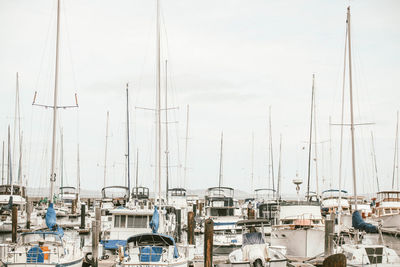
x: 9, y: 169
x: 127, y: 136
x: 16, y: 121
x: 252, y: 162
x: 374, y: 161
x: 315, y: 143
x: 186, y: 146
x: 353, y: 151
x: 278, y: 191
x: 220, y: 161
x: 78, y: 174
x: 2, y: 167
x: 271, y: 172
x: 310, y: 140
x: 396, y: 154
x: 137, y: 169
x: 158, y: 104
x: 105, y: 152
x: 54, y: 139
x: 166, y: 132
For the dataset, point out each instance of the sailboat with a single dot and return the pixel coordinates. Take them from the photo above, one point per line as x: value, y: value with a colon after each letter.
x: 357, y: 252
x: 46, y: 248
x: 300, y: 225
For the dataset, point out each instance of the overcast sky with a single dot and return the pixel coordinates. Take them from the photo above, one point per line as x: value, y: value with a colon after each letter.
x: 228, y: 60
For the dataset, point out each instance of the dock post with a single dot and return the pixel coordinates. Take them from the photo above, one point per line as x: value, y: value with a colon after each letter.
x: 98, y: 222
x: 73, y: 208
x: 28, y: 214
x: 195, y: 209
x: 208, y: 242
x: 14, y: 220
x: 83, y: 216
x: 190, y: 228
x: 329, y: 230
x: 95, y: 244
x: 178, y: 225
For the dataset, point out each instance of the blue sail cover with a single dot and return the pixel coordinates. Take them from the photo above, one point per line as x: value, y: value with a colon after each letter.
x: 51, y: 220
x: 154, y: 223
x: 358, y: 223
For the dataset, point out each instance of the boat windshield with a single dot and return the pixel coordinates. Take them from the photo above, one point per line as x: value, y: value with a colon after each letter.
x: 36, y: 237
x: 253, y: 239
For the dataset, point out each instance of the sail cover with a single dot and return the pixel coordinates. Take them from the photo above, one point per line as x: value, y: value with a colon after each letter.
x: 154, y: 223
x: 358, y: 223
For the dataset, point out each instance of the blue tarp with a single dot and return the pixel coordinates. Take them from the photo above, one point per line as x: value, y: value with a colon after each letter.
x: 154, y: 223
x: 156, y: 239
x: 113, y: 244
x: 51, y: 220
x: 358, y: 223
x: 35, y: 255
x: 150, y: 254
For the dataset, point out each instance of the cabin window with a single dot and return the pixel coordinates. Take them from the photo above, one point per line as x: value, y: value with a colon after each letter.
x: 387, y: 211
x: 139, y: 221
x: 119, y: 221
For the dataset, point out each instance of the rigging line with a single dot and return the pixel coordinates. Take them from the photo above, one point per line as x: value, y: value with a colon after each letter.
x: 49, y: 27
x: 68, y: 41
x: 342, y: 120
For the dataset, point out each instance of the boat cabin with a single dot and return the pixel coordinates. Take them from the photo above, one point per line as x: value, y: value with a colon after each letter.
x: 68, y: 194
x: 140, y: 192
x: 387, y: 203
x: 219, y: 201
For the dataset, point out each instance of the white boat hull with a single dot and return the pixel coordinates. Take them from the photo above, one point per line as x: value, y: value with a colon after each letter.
x: 301, y: 242
x: 76, y: 263
x: 389, y: 221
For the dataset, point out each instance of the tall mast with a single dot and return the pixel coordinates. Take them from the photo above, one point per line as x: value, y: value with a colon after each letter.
x: 78, y: 173
x: 396, y: 155
x: 220, y: 161
x: 9, y: 169
x: 127, y: 136
x: 310, y: 140
x: 252, y: 162
x: 17, y: 123
x: 20, y: 161
x: 353, y: 151
x: 2, y: 167
x: 278, y: 192
x: 105, y: 151
x: 374, y: 161
x: 158, y: 105
x: 54, y: 139
x: 315, y: 143
x: 166, y: 132
x: 271, y: 173
x: 186, y: 146
x: 330, y: 152
x: 341, y: 131
x: 137, y: 169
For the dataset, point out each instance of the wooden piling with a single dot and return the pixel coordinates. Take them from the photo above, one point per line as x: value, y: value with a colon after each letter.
x: 335, y: 260
x: 14, y: 225
x: 194, y: 209
x: 29, y: 207
x: 191, y: 225
x: 95, y: 243
x: 329, y: 230
x: 208, y: 242
x: 73, y: 207
x: 83, y: 216
x: 178, y: 225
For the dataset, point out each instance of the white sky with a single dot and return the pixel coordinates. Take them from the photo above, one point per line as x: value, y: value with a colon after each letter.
x: 229, y: 60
